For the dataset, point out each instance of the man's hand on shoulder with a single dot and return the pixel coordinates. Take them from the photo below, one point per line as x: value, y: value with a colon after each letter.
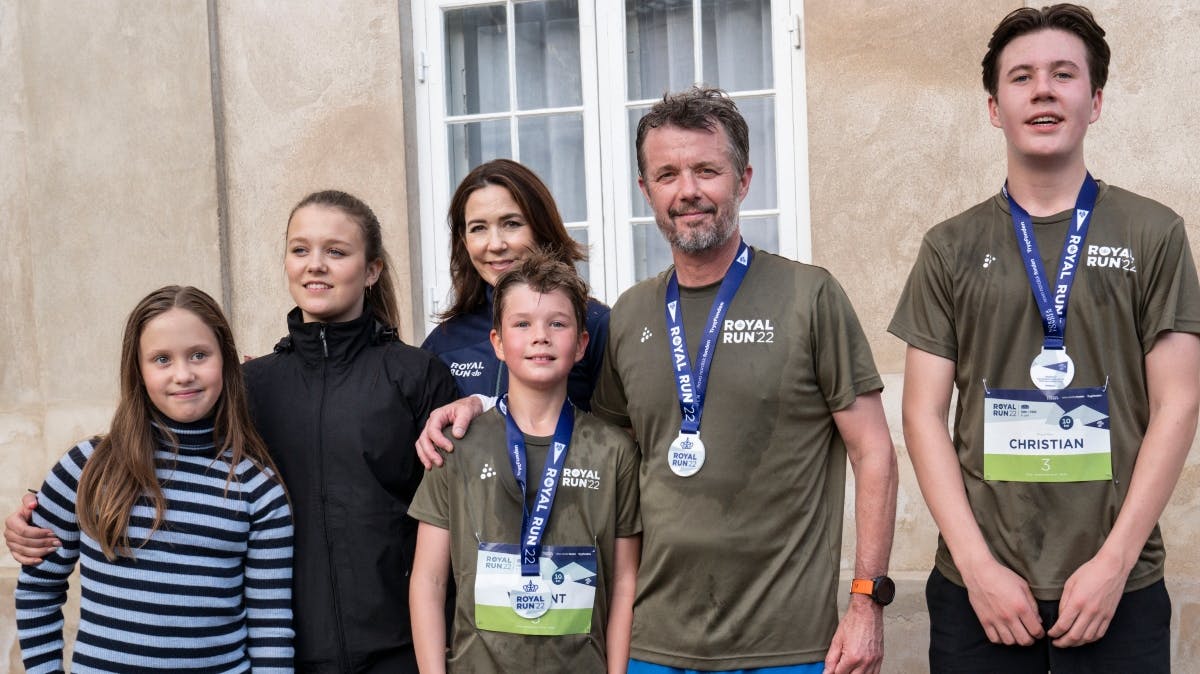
x: 857, y: 646
x: 26, y: 543
x: 458, y: 416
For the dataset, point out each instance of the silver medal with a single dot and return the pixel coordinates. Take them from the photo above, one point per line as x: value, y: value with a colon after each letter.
x: 686, y: 456
x: 530, y: 600
x: 1052, y: 370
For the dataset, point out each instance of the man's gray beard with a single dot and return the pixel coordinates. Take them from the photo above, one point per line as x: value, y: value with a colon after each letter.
x: 700, y: 240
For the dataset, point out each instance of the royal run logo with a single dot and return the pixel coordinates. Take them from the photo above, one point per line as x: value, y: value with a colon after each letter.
x: 468, y: 369
x: 583, y: 478
x: 748, y: 331
x: 1110, y: 257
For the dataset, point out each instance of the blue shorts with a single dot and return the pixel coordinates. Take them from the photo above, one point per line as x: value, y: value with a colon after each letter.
x: 639, y: 667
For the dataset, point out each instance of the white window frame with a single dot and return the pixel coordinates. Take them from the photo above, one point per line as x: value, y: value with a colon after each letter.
x: 609, y: 209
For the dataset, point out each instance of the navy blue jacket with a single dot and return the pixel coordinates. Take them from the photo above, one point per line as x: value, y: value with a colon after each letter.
x: 462, y: 343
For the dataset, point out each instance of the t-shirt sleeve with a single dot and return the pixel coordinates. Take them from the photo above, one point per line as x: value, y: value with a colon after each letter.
x: 845, y: 367
x: 609, y: 402
x: 1171, y: 297
x: 431, y: 504
x: 629, y: 519
x: 924, y: 316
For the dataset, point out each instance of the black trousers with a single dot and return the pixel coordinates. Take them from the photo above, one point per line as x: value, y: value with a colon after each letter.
x: 1138, y: 638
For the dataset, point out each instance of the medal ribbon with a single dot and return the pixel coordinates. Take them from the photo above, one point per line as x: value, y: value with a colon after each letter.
x: 535, y: 522
x: 1053, y: 305
x: 691, y: 384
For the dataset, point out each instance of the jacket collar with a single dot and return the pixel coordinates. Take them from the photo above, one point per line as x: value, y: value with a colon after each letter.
x: 333, y: 343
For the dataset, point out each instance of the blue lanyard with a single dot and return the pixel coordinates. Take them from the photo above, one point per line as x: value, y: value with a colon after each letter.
x: 692, y: 384
x: 534, y: 524
x: 1052, y: 305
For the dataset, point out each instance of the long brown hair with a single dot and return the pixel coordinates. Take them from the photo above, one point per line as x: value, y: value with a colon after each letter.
x: 122, y: 468
x: 539, y: 209
x: 379, y: 299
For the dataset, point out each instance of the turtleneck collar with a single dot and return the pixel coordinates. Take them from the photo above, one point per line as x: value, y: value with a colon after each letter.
x: 335, y: 343
x: 194, y: 437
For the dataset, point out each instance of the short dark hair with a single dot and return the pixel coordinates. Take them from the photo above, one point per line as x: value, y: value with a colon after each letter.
x: 698, y: 108
x: 544, y: 271
x: 1074, y: 19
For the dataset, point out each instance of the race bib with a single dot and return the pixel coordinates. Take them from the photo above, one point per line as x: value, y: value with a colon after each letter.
x: 1046, y: 436
x: 559, y: 600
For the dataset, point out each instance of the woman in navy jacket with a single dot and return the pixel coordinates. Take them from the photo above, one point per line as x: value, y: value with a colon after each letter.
x: 500, y: 211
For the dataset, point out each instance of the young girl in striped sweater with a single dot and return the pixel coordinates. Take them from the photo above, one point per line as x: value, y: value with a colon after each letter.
x: 178, y: 520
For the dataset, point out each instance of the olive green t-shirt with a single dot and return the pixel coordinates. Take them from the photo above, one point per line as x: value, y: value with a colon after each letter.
x: 740, y: 561
x: 968, y: 300
x: 476, y: 498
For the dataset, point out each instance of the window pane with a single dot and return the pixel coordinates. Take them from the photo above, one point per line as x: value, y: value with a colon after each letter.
x: 660, y: 46
x: 637, y: 203
x: 762, y: 232
x: 552, y: 146
x: 736, y: 44
x: 548, y: 74
x: 473, y: 143
x: 651, y: 253
x: 760, y: 117
x: 580, y: 234
x: 476, y: 60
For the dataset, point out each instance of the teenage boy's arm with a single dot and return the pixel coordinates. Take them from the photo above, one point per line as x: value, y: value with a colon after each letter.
x: 1001, y: 599
x: 458, y: 415
x: 858, y: 643
x: 1091, y: 594
x: 28, y: 544
x: 427, y: 597
x: 626, y: 556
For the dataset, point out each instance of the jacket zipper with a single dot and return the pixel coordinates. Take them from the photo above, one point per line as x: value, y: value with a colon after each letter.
x: 499, y: 378
x: 343, y: 656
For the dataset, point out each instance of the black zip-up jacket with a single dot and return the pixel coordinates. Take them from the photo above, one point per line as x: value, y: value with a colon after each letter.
x: 340, y: 406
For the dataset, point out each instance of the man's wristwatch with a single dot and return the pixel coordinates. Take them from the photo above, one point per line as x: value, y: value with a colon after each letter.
x: 880, y: 588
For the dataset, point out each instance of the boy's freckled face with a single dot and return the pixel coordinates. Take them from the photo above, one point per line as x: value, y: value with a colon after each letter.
x: 539, y: 339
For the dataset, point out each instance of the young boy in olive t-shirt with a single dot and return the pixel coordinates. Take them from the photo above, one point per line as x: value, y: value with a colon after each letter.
x: 536, y: 513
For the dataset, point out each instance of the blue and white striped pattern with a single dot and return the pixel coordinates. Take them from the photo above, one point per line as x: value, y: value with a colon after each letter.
x: 210, y: 591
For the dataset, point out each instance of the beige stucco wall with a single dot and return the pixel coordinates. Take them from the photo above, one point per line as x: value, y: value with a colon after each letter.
x: 312, y: 101
x: 109, y: 187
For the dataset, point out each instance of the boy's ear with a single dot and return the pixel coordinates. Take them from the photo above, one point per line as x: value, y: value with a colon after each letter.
x: 584, y: 338
x: 497, y: 344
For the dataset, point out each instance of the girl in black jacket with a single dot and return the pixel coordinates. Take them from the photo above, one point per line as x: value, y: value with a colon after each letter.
x: 340, y: 403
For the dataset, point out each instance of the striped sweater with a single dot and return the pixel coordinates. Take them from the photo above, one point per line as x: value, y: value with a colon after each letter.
x: 210, y: 591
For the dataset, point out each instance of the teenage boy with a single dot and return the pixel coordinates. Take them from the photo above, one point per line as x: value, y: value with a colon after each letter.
x: 1064, y: 310
x: 538, y: 518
